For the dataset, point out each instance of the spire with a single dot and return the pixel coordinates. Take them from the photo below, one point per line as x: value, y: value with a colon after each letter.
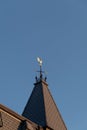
x: 41, y: 108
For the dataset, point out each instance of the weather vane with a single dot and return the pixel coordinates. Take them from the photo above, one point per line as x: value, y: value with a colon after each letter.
x: 39, y: 60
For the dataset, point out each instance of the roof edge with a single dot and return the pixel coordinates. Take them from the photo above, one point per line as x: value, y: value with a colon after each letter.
x: 16, y: 115
x: 6, y: 109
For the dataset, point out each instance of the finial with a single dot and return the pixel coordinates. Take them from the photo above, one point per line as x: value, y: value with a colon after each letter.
x: 39, y: 60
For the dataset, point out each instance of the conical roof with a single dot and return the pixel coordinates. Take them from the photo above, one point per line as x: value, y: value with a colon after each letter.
x: 42, y: 109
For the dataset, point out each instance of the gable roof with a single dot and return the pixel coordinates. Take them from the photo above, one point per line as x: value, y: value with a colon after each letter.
x: 42, y: 109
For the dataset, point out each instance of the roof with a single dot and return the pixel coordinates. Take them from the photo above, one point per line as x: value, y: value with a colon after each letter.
x: 6, y: 109
x: 42, y: 109
x: 11, y: 116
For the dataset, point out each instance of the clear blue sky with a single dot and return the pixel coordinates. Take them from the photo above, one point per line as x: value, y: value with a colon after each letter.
x: 55, y: 30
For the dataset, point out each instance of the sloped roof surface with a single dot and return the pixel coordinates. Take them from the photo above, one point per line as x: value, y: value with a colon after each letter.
x: 42, y: 109
x: 13, y: 121
x: 35, y: 110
